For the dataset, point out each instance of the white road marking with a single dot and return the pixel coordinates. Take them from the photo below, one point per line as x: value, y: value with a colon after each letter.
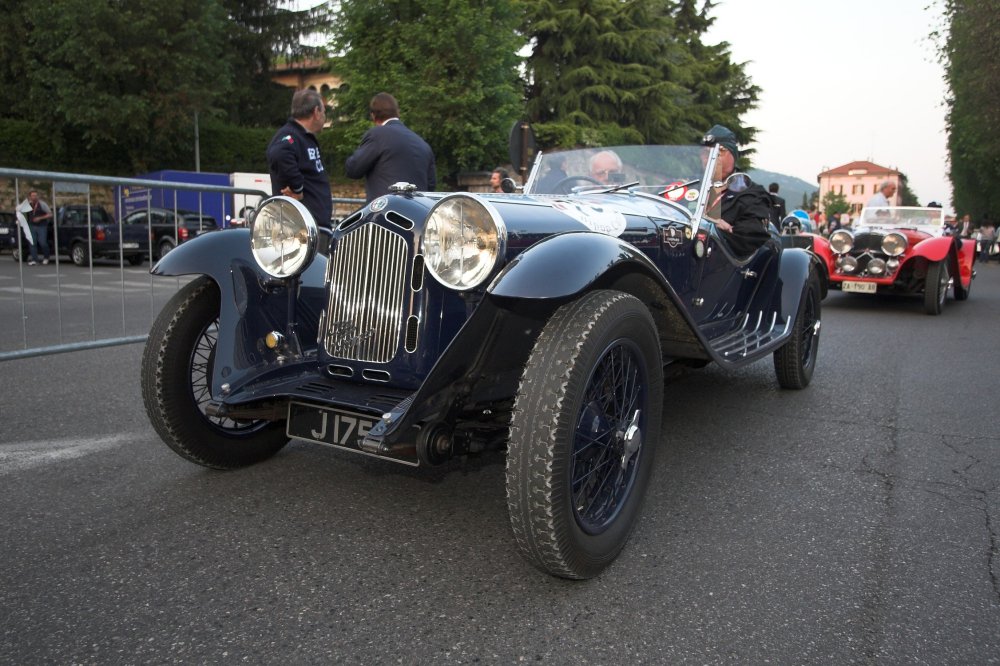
x: 18, y: 456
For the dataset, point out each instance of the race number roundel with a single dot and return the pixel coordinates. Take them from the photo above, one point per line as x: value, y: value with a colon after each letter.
x: 674, y: 191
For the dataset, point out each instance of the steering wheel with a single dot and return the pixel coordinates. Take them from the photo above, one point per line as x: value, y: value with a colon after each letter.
x: 563, y: 186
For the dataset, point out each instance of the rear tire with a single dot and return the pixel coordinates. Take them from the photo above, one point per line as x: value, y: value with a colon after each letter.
x: 177, y: 366
x: 585, y: 426
x: 962, y: 293
x: 795, y: 362
x: 80, y: 254
x: 165, y: 248
x: 936, y: 287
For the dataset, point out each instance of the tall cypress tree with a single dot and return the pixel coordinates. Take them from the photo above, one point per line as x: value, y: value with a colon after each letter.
x: 971, y: 54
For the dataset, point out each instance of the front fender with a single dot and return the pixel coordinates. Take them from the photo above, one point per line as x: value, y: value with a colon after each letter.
x: 567, y: 264
x: 251, y: 305
x: 933, y: 249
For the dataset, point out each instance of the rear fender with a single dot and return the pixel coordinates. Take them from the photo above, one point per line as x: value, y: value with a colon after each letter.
x: 795, y: 269
x: 252, y: 304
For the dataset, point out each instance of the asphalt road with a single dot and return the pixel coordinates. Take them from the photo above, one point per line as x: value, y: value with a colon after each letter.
x: 63, y: 304
x: 857, y: 521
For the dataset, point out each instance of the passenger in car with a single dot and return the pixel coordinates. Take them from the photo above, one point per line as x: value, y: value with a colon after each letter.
x: 737, y: 206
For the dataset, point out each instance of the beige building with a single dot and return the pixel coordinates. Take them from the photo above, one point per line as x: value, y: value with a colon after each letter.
x: 858, y: 182
x: 312, y: 74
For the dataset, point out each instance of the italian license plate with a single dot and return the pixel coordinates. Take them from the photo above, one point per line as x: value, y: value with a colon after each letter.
x: 328, y: 426
x: 859, y: 287
x: 130, y: 246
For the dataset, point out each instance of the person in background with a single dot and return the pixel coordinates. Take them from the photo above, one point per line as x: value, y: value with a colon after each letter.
x: 965, y: 226
x: 294, y: 161
x: 496, y: 178
x: 883, y: 197
x: 741, y: 209
x: 39, y: 218
x: 778, y: 212
x: 987, y: 236
x: 391, y: 152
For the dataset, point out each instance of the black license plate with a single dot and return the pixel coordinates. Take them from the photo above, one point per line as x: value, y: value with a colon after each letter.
x: 328, y: 426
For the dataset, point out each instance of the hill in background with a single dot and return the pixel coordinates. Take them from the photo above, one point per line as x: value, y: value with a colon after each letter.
x: 789, y: 187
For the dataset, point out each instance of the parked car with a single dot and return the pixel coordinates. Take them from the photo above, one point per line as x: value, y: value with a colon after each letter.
x: 170, y: 227
x: 8, y: 231
x: 442, y: 325
x: 83, y: 232
x: 899, y: 250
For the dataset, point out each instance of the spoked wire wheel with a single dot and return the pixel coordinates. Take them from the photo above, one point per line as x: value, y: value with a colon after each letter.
x: 585, y: 426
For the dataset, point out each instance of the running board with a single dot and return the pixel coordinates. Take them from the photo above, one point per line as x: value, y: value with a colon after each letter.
x: 751, y: 336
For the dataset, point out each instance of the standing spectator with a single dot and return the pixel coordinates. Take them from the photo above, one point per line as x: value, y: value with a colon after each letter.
x: 883, y: 198
x: 496, y: 178
x: 294, y: 160
x: 38, y: 218
x: 987, y: 236
x: 833, y: 223
x: 965, y: 226
x: 778, y: 212
x: 391, y: 152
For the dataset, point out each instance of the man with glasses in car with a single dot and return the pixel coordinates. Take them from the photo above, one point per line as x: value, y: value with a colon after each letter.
x: 606, y: 168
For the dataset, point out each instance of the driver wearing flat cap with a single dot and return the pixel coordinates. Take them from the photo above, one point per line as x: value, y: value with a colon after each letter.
x: 738, y: 205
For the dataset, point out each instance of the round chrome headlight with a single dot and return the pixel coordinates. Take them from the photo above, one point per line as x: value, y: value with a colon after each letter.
x: 841, y: 241
x: 463, y: 239
x: 876, y: 267
x: 847, y: 264
x: 283, y: 237
x: 894, y: 244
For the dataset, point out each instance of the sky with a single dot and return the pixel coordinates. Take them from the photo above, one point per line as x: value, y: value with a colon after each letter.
x: 843, y: 81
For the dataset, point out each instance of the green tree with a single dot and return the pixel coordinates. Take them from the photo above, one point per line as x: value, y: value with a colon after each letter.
x: 261, y: 33
x: 906, y: 195
x: 641, y: 67
x: 970, y: 52
x: 451, y: 65
x: 14, y: 58
x: 128, y: 75
x: 833, y: 203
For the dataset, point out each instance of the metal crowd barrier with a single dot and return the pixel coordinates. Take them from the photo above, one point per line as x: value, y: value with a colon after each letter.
x: 32, y: 317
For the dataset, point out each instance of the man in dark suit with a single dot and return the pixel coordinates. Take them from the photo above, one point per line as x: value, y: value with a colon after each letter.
x: 391, y: 152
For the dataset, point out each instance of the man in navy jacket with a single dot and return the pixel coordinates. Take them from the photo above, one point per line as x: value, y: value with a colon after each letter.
x: 294, y: 161
x: 391, y: 152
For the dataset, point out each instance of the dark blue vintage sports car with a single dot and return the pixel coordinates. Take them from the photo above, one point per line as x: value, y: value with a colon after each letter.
x: 439, y: 325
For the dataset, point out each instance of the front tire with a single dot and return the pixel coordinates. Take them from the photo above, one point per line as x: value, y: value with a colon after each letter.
x: 177, y: 366
x: 795, y: 362
x: 585, y: 426
x: 936, y: 287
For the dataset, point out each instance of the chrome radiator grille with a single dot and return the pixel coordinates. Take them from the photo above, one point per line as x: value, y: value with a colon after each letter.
x: 367, y: 286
